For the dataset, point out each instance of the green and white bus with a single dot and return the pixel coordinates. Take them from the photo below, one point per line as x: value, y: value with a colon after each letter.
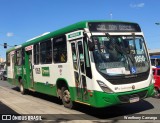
x: 96, y: 63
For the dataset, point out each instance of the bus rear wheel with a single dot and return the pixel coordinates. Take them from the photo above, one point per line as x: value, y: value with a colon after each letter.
x: 21, y: 87
x: 66, y: 98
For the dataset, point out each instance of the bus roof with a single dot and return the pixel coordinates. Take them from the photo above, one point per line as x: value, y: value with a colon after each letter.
x: 67, y: 29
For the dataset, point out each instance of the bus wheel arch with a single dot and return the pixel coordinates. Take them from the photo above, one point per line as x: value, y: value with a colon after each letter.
x: 64, y: 93
x: 59, y: 84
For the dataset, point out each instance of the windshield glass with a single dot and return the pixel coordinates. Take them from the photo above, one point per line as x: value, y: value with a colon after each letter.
x: 120, y: 55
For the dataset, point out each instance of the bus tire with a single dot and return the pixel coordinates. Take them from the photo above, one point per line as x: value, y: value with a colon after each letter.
x: 66, y: 98
x: 21, y: 87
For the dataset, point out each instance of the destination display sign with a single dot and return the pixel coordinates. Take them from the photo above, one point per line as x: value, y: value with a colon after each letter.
x: 113, y: 27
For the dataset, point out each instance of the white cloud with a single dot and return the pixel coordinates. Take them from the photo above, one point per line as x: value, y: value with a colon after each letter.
x: 139, y: 5
x: 9, y: 34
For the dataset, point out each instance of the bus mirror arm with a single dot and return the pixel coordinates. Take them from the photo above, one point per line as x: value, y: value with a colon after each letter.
x: 91, y: 45
x: 108, y: 35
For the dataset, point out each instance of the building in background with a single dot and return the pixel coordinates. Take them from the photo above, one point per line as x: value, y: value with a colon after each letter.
x: 154, y: 52
x: 155, y: 57
x: 2, y: 60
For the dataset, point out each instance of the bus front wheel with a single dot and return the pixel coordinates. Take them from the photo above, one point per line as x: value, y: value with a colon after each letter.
x: 66, y: 98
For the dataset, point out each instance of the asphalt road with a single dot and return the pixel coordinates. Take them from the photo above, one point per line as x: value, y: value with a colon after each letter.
x: 51, y: 107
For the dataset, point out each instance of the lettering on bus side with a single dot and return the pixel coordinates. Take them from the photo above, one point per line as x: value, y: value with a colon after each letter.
x: 60, y: 66
x: 45, y: 71
x: 74, y: 35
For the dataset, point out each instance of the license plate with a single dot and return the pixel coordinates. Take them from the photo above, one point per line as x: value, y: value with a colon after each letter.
x: 135, y: 99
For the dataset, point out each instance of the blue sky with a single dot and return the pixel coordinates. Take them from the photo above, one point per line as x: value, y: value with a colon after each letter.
x: 21, y: 20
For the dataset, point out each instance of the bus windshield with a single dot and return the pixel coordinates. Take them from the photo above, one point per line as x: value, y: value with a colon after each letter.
x: 120, y: 55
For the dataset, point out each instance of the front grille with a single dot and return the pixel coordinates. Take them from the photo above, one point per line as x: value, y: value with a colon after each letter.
x: 116, y: 80
x: 125, y: 98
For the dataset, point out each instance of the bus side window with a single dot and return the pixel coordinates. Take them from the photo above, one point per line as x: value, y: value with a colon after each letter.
x: 60, y: 49
x: 19, y: 57
x: 46, y: 52
x: 8, y: 59
x: 23, y: 57
x: 36, y: 54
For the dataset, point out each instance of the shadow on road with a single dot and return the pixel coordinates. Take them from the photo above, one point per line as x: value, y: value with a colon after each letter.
x: 6, y: 110
x: 112, y: 112
x: 42, y: 96
x: 116, y: 111
x: 6, y: 113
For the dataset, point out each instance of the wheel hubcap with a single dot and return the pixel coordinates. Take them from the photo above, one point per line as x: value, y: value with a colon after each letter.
x: 66, y: 96
x: 21, y: 87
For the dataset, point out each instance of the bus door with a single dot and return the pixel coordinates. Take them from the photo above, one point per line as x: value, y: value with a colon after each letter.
x: 79, y: 70
x: 29, y: 67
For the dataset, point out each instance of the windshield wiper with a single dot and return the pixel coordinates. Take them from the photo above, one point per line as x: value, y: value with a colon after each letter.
x: 123, y: 51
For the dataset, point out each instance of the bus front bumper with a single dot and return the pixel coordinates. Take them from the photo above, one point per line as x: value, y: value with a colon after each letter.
x: 103, y: 99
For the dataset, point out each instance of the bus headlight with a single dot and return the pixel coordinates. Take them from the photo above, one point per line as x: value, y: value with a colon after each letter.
x: 104, y: 87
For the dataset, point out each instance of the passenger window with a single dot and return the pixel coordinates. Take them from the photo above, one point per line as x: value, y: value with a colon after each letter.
x: 60, y: 49
x: 8, y: 59
x: 19, y: 57
x: 46, y: 52
x: 36, y: 54
x: 23, y: 56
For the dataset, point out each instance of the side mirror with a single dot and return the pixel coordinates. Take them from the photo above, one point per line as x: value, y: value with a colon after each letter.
x: 91, y: 45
